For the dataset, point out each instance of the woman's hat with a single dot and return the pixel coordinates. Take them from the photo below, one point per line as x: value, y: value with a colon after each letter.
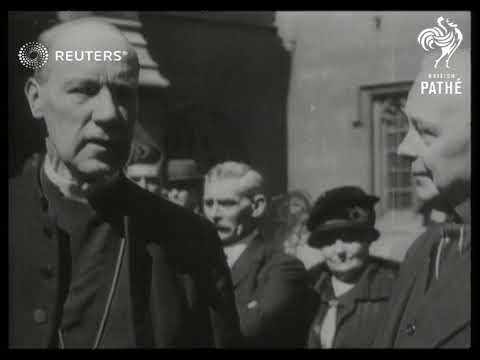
x: 340, y: 209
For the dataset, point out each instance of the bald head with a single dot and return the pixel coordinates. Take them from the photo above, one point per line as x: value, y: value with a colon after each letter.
x: 80, y: 35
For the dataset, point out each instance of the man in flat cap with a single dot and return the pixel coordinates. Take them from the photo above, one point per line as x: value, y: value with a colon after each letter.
x: 431, y: 303
x: 270, y: 286
x: 95, y: 261
x: 352, y: 288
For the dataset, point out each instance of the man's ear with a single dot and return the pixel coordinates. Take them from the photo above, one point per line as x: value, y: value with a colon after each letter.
x: 259, y: 205
x: 32, y: 92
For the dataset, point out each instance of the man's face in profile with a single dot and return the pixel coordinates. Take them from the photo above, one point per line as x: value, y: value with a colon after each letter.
x: 89, y: 107
x: 438, y: 144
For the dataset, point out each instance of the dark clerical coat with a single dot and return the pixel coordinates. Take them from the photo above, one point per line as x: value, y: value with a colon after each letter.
x: 174, y: 288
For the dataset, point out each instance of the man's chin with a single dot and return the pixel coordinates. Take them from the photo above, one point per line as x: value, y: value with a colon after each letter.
x: 94, y: 170
x: 426, y: 193
x: 228, y: 239
x: 425, y: 188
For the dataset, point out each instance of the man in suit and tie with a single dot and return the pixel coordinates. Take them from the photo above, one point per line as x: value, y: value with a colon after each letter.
x: 270, y: 286
x: 431, y: 301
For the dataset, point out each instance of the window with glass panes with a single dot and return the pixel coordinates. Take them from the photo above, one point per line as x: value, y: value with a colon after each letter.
x: 398, y: 185
x: 383, y: 106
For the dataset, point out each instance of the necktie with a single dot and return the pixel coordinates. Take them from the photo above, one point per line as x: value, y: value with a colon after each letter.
x: 327, y: 332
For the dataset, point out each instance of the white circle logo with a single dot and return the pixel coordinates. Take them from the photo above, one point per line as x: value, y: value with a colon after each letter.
x: 33, y: 55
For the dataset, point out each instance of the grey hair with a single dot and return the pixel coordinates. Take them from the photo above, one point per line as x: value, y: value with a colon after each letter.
x: 251, y: 181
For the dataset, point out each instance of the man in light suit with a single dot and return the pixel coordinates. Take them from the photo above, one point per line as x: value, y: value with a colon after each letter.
x: 431, y: 301
x: 270, y: 286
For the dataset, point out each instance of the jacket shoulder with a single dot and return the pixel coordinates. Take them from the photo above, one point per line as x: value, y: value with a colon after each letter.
x: 188, y: 237
x: 381, y: 276
x: 421, y: 247
x: 173, y: 218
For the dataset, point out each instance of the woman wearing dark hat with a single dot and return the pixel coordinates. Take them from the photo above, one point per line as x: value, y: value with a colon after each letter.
x: 351, y: 287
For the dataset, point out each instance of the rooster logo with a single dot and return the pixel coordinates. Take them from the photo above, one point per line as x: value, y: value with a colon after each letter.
x: 448, y: 40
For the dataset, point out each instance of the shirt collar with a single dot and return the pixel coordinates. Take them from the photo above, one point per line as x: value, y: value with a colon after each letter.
x: 340, y: 287
x: 234, y: 251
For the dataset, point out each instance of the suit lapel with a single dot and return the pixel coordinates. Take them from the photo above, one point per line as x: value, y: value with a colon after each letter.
x: 403, y: 289
x: 448, y: 304
x: 248, y: 261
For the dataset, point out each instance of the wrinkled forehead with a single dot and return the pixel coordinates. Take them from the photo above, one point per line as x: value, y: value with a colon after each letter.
x: 103, y: 71
x: 225, y: 187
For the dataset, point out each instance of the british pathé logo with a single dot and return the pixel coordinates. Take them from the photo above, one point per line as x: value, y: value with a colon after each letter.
x: 441, y: 37
x: 446, y: 37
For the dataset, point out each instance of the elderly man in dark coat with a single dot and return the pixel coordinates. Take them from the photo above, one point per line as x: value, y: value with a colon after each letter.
x: 352, y: 287
x: 431, y: 303
x: 94, y: 260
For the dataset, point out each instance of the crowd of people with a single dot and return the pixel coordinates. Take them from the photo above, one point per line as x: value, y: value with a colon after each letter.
x: 113, y: 245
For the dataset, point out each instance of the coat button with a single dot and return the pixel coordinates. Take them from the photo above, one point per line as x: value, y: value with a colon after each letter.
x: 410, y: 329
x: 40, y: 316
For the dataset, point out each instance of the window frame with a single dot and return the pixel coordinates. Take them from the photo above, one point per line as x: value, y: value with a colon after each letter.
x: 368, y: 95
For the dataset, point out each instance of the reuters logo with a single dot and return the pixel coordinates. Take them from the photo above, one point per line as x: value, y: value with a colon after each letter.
x: 33, y: 55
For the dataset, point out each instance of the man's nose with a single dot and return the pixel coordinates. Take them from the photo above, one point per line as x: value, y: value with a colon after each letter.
x: 408, y: 146
x: 105, y: 109
x: 216, y: 212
